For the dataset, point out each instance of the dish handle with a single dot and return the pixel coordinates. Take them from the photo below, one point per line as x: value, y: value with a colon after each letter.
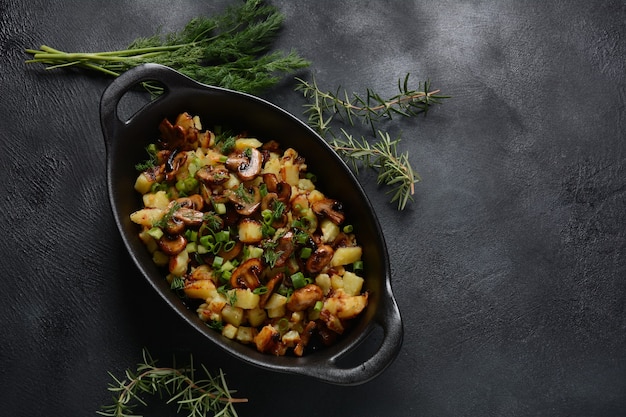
x: 389, y: 319
x: 109, y: 103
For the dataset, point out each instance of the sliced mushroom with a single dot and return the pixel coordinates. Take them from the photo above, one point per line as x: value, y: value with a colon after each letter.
x: 305, y: 297
x: 174, y: 226
x: 284, y: 249
x: 180, y: 135
x: 272, y: 284
x: 319, y: 259
x: 247, y: 274
x: 245, y: 200
x: 246, y: 164
x: 189, y: 216
x: 213, y: 174
x: 173, y: 164
x: 232, y: 253
x: 329, y: 208
x: 172, y: 245
x: 194, y: 201
x: 280, y: 188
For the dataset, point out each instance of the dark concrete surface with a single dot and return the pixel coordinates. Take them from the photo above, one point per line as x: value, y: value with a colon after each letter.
x: 509, y: 268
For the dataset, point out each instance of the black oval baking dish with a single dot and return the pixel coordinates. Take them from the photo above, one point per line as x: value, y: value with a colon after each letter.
x: 126, y: 141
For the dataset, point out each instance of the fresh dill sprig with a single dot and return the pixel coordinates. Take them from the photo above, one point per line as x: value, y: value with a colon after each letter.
x: 198, y: 397
x: 229, y: 50
x: 394, y: 168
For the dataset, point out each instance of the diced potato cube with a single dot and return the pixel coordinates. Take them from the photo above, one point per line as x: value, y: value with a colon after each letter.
x: 147, y: 216
x: 232, y: 315
x: 336, y: 281
x: 242, y: 144
x: 245, y: 298
x: 148, y: 240
x: 344, y: 306
x: 276, y: 300
x: 272, y: 166
x: 245, y: 334
x: 158, y: 200
x: 297, y: 316
x: 323, y: 281
x: 290, y: 173
x: 143, y: 183
x: 352, y: 283
x: 250, y: 231
x: 315, y: 196
x: 273, y: 313
x: 306, y: 184
x: 201, y: 289
x: 229, y: 331
x: 291, y: 338
x: 178, y: 264
x: 232, y: 182
x: 217, y: 304
x: 202, y: 272
x: 346, y: 255
x: 256, y: 316
x: 330, y: 230
x: 160, y: 259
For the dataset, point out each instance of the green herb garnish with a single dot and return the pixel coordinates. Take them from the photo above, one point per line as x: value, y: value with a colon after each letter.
x: 230, y: 50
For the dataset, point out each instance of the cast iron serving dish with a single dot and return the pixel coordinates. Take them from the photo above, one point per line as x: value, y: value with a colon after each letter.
x: 126, y: 141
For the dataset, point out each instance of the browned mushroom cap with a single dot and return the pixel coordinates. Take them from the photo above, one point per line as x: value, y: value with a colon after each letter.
x: 280, y: 188
x: 173, y: 164
x: 232, y: 253
x: 284, y: 249
x: 246, y: 164
x: 180, y: 135
x: 271, y: 285
x: 213, y: 174
x: 194, y: 201
x: 190, y: 217
x: 172, y: 245
x: 329, y: 208
x: 247, y: 274
x: 174, y: 226
x: 319, y: 259
x: 245, y: 200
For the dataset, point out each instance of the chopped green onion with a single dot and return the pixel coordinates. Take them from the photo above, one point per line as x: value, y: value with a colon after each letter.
x: 202, y: 250
x: 311, y: 176
x: 268, y: 216
x: 348, y: 228
x: 260, y: 290
x: 156, y: 233
x: 357, y: 266
x: 222, y: 236
x: 298, y: 280
x: 218, y: 261
x: 283, y: 324
x: 305, y: 253
x: 207, y: 240
x: 191, y: 247
x: 318, y: 306
x: 227, y: 266
x: 220, y: 208
x: 230, y: 245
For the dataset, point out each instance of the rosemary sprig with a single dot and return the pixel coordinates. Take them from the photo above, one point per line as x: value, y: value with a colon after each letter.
x: 229, y: 50
x: 200, y: 398
x: 370, y: 109
x: 393, y: 168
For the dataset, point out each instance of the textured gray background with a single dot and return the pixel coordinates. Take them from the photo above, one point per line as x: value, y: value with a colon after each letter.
x: 509, y: 268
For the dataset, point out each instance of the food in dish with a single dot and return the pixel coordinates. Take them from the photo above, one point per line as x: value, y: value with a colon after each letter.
x: 239, y: 225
